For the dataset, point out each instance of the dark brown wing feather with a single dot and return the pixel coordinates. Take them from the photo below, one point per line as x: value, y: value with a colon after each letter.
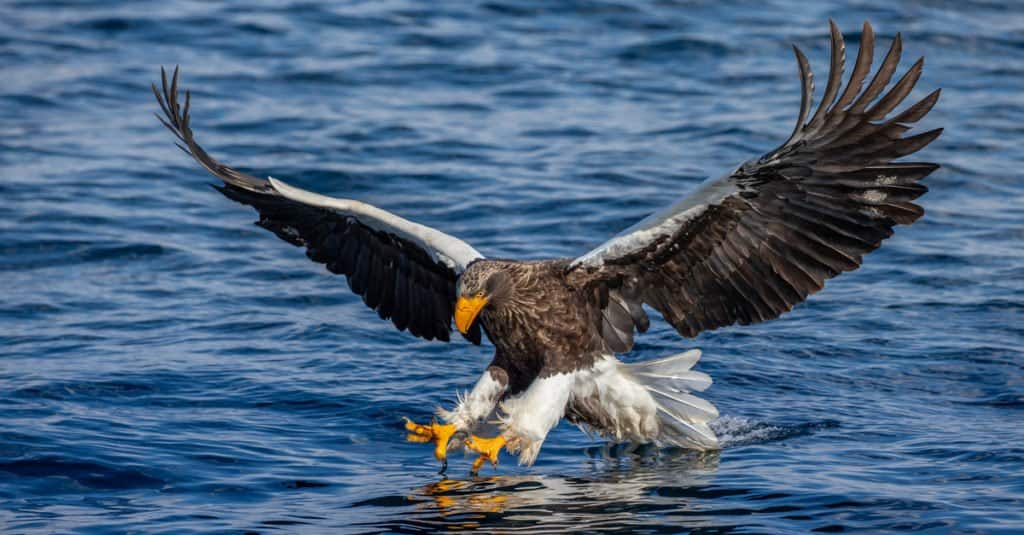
x: 748, y: 247
x: 394, y: 276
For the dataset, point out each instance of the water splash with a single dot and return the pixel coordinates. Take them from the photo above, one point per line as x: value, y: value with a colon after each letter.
x: 735, y: 431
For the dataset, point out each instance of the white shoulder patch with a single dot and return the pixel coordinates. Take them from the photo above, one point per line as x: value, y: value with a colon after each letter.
x: 664, y: 222
x: 442, y: 247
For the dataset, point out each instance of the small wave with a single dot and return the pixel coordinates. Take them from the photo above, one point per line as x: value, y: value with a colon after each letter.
x: 114, y: 25
x: 567, y: 131
x: 47, y: 253
x: 84, y: 390
x: 85, y: 473
x: 675, y: 48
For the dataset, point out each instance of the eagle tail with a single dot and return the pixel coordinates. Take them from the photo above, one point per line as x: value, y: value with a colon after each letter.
x: 683, y: 417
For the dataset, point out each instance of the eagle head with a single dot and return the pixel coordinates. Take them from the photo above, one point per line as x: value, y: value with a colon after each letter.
x: 483, y: 284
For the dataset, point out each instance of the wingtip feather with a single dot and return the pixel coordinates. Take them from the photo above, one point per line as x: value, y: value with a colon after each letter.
x: 806, y: 91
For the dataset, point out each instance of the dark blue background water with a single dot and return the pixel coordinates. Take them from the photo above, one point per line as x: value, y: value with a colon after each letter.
x: 165, y: 366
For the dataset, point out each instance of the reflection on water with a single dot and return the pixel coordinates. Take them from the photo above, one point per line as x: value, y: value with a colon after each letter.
x: 165, y: 366
x: 622, y: 490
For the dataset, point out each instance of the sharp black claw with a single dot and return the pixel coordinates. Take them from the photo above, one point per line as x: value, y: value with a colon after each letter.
x: 444, y: 467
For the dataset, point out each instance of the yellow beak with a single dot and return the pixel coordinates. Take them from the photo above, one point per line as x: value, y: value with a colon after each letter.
x: 466, y: 310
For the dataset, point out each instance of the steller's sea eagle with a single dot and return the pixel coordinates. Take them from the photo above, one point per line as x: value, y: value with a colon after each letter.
x: 743, y: 248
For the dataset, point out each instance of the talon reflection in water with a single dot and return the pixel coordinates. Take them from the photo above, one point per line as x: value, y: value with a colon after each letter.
x: 674, y: 471
x: 452, y: 496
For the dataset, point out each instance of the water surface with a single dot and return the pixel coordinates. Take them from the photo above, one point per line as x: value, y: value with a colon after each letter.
x: 166, y: 366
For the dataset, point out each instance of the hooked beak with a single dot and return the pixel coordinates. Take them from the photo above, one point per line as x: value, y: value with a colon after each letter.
x: 466, y: 310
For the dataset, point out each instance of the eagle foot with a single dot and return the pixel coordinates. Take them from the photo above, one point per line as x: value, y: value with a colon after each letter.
x: 439, y: 434
x: 488, y: 448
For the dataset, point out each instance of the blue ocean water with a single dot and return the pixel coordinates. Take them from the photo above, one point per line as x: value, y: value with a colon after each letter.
x: 167, y: 367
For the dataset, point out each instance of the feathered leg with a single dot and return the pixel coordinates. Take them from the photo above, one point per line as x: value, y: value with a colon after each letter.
x: 527, y: 420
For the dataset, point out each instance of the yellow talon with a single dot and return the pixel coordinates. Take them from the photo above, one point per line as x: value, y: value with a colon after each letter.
x: 488, y: 448
x: 437, y: 433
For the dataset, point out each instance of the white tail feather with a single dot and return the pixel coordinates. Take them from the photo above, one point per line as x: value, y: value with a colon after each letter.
x: 683, y: 418
x: 676, y: 430
x: 694, y: 408
x: 678, y: 363
x: 690, y: 381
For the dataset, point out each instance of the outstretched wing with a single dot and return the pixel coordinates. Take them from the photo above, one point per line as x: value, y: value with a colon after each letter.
x: 749, y: 246
x: 403, y: 270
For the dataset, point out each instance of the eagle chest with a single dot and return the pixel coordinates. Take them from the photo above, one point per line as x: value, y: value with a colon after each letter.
x: 547, y: 320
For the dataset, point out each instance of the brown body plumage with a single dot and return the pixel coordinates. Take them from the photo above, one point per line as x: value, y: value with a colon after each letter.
x: 519, y: 323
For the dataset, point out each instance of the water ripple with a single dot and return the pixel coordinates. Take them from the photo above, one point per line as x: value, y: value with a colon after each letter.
x: 166, y: 366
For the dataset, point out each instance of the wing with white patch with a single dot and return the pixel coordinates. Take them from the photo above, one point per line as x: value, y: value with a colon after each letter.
x: 747, y: 247
x: 403, y: 270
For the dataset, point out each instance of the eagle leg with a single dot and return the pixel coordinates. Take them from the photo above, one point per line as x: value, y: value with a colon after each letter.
x: 488, y: 448
x: 439, y: 434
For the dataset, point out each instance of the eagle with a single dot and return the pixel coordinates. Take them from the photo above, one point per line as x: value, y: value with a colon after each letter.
x: 743, y: 248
